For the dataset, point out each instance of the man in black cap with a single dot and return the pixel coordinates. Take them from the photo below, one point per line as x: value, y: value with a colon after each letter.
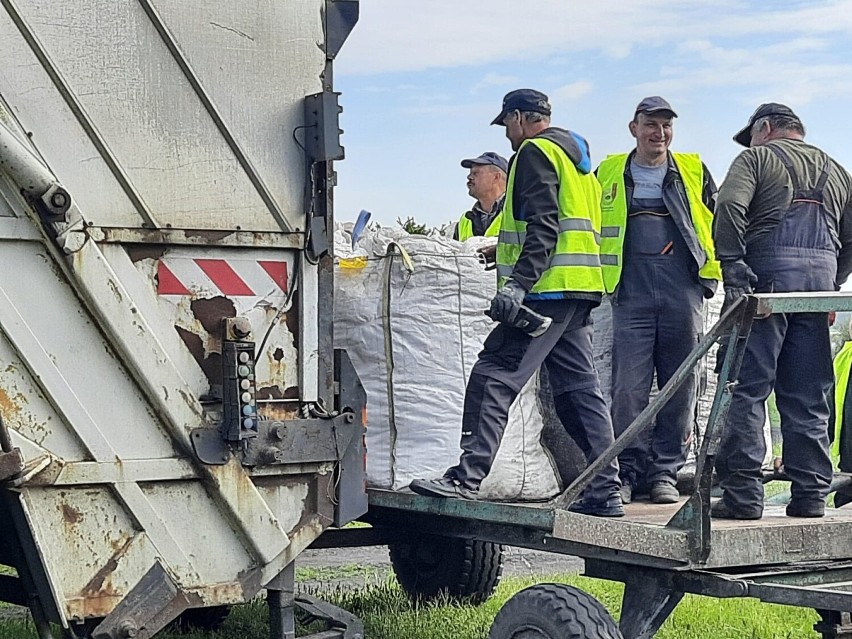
x: 547, y: 262
x: 486, y: 183
x: 783, y: 224
x: 659, y: 265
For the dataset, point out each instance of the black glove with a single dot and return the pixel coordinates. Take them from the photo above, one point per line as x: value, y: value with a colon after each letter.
x: 739, y: 280
x: 507, y: 303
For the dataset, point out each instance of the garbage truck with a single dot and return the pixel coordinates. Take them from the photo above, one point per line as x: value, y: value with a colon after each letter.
x: 176, y: 424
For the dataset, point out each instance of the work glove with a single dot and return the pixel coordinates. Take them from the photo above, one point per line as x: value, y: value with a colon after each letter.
x: 507, y: 303
x: 739, y: 280
x: 489, y: 256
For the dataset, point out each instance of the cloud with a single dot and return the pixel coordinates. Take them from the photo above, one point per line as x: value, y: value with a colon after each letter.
x: 571, y: 92
x: 397, y: 36
x: 794, y: 71
x: 494, y: 80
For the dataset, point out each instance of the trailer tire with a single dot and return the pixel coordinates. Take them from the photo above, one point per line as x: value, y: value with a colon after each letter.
x: 429, y: 566
x: 553, y: 611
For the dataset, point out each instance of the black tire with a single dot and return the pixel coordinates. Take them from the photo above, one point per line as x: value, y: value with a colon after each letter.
x: 433, y: 566
x: 553, y: 611
x: 209, y: 619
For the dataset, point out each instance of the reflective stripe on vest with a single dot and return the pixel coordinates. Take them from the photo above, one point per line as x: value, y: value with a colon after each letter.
x: 465, y: 227
x: 614, y: 211
x: 574, y: 264
x: 842, y: 365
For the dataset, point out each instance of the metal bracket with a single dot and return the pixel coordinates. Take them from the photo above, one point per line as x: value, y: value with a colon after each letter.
x: 209, y: 446
x: 11, y: 464
x: 300, y: 441
x: 147, y: 608
x: 347, y: 625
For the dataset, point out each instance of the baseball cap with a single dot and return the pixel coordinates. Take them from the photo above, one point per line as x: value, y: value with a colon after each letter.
x: 489, y: 157
x: 653, y: 104
x: 523, y: 100
x: 743, y: 136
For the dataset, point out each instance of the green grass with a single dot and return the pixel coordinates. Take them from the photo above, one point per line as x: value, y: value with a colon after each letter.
x: 387, y: 614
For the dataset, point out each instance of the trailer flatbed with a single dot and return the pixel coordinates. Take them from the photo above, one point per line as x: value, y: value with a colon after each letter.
x: 660, y: 552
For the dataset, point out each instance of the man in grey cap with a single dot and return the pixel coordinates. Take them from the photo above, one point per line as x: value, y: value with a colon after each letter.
x: 548, y: 263
x: 783, y: 224
x: 486, y: 183
x: 659, y: 266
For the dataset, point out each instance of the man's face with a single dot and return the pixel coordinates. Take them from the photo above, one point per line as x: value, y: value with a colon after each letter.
x: 514, y: 129
x: 480, y: 180
x: 653, y: 133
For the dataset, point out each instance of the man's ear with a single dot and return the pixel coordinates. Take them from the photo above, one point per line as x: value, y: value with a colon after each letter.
x: 632, y: 127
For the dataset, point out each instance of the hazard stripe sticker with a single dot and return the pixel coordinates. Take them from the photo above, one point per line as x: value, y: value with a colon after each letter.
x: 232, y: 277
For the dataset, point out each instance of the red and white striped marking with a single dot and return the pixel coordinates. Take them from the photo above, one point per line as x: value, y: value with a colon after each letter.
x: 232, y: 277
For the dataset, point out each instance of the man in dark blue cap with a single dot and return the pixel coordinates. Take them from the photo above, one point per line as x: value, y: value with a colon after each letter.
x: 783, y: 224
x: 547, y: 262
x: 659, y: 265
x: 486, y: 183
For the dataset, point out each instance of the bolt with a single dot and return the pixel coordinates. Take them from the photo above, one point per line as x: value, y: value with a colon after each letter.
x: 59, y: 199
x: 225, y: 457
x: 350, y: 417
x: 127, y: 629
x: 278, y: 432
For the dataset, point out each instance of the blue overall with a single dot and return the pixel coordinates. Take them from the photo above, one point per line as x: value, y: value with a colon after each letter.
x: 657, y: 322
x: 788, y: 352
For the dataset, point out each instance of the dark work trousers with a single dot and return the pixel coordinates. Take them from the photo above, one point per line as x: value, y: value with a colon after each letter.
x: 656, y: 322
x: 791, y: 353
x: 509, y: 359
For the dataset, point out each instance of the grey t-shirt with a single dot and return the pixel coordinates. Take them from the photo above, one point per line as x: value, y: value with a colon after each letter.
x: 647, y: 187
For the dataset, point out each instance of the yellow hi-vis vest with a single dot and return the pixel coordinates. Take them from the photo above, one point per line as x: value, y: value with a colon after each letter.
x: 575, y: 261
x: 465, y: 227
x: 842, y: 365
x: 614, y: 212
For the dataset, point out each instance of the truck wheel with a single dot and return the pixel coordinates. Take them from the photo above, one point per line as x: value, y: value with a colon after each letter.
x: 553, y: 611
x: 463, y: 569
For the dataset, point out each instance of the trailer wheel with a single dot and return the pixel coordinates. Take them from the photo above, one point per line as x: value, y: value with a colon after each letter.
x: 553, y: 611
x: 464, y: 569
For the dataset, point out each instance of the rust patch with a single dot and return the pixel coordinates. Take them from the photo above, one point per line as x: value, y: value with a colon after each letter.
x: 211, y: 311
x: 7, y: 405
x: 140, y: 252
x: 70, y: 514
x: 210, y: 363
x: 210, y: 236
x: 279, y: 411
x: 274, y: 392
x: 291, y: 317
x: 95, y: 587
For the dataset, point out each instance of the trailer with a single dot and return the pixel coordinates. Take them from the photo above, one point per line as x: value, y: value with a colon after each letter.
x: 176, y: 425
x: 660, y: 552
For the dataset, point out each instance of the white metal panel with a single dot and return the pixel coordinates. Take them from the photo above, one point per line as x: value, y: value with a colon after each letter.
x: 80, y: 365
x: 197, y: 527
x: 139, y: 101
x: 39, y: 107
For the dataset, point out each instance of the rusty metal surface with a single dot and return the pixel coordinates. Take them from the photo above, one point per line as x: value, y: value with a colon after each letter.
x: 11, y: 464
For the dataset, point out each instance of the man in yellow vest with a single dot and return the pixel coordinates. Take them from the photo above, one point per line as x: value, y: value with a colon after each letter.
x: 547, y: 262
x: 659, y: 266
x: 486, y: 183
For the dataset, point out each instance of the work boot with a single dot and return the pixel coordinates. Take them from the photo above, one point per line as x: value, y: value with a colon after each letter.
x: 608, y: 508
x: 443, y: 487
x: 662, y: 492
x: 805, y: 508
x: 721, y: 510
x: 626, y: 492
